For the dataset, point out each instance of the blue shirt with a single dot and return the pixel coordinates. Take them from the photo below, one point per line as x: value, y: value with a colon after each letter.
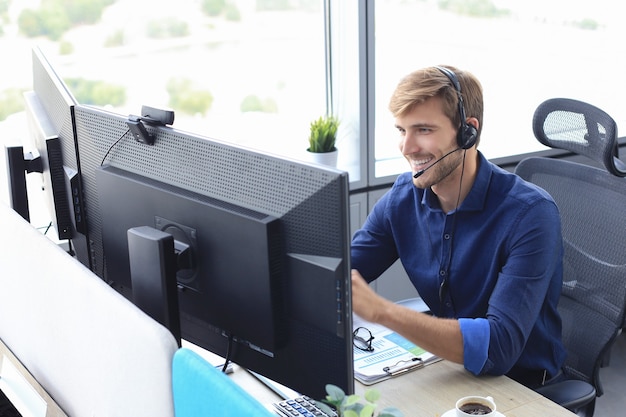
x: 499, y: 257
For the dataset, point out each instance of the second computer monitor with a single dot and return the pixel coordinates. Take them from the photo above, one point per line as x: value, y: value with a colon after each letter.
x: 266, y: 276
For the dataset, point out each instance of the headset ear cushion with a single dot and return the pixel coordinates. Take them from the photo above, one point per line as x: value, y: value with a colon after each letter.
x: 468, y: 136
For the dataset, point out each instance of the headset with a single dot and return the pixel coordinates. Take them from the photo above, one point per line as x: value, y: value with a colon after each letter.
x: 467, y: 134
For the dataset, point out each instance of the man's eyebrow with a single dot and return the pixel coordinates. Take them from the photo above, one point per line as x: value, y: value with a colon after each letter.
x: 417, y: 125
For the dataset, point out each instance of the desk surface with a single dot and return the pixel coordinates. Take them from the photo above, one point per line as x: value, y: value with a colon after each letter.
x: 426, y: 392
x: 434, y: 389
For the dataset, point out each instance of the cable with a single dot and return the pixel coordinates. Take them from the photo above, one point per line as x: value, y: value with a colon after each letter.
x: 70, y: 250
x: 112, y: 146
x: 46, y: 229
x: 445, y: 283
x: 228, y: 353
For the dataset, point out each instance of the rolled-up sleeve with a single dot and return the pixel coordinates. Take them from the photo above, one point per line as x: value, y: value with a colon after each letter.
x: 475, y: 343
x: 522, y: 306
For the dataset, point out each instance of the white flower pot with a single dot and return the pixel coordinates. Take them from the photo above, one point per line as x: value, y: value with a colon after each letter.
x: 324, y: 158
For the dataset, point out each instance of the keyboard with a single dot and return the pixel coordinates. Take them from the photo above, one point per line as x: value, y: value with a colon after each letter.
x: 302, y: 406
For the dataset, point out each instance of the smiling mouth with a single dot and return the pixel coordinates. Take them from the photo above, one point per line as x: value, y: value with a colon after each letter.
x: 419, y: 164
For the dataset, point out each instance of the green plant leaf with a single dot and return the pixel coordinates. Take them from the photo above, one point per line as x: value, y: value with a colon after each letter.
x: 335, y: 394
x: 323, y: 134
x: 367, y: 410
x: 351, y: 399
x: 353, y: 406
x: 390, y: 412
x: 372, y: 395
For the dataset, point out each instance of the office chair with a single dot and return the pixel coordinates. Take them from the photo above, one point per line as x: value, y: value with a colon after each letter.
x: 591, y: 201
x: 201, y: 390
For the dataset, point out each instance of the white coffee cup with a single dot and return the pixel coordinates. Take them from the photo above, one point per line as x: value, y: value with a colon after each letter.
x: 475, y: 405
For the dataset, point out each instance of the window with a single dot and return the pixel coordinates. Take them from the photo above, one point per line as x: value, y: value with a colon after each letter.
x: 523, y: 52
x: 246, y: 71
x: 257, y: 72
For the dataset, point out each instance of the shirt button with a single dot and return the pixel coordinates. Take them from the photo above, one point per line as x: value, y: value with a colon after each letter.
x: 446, y: 236
x: 448, y: 304
x: 442, y: 272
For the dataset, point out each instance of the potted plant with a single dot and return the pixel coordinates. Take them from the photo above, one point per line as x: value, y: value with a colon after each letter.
x: 322, y: 138
x: 352, y: 405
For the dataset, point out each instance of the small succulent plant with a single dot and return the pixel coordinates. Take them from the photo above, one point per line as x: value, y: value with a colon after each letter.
x: 353, y: 405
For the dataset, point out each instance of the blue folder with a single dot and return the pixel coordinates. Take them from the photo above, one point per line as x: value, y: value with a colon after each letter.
x: 201, y: 390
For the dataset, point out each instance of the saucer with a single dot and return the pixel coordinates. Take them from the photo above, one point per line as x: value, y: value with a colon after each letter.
x: 451, y: 413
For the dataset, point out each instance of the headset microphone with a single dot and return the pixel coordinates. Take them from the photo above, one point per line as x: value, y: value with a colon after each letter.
x: 421, y: 171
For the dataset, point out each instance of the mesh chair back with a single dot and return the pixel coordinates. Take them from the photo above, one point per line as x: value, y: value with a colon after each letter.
x: 591, y: 202
x: 581, y: 128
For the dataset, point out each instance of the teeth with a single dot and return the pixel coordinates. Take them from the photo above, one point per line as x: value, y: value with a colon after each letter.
x: 418, y: 162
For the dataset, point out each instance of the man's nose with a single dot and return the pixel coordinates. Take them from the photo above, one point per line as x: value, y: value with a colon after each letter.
x: 409, y: 144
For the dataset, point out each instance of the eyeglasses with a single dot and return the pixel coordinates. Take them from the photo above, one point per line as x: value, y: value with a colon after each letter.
x: 362, y: 339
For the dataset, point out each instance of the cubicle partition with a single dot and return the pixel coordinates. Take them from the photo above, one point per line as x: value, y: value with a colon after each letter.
x: 90, y: 348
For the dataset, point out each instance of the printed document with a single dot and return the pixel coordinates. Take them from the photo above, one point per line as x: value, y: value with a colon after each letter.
x: 392, y: 355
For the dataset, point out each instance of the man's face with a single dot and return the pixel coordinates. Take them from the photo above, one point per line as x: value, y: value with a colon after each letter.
x: 426, y: 135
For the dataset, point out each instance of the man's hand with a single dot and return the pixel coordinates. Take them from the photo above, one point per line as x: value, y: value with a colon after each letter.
x: 441, y: 337
x: 365, y: 302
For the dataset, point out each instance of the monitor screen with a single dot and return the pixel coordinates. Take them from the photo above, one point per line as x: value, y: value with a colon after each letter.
x: 267, y: 281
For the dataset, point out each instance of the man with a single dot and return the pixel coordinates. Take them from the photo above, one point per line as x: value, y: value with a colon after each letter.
x: 481, y: 246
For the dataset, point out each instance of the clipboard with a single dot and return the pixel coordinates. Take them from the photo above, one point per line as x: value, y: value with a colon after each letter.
x: 392, y: 355
x: 404, y: 366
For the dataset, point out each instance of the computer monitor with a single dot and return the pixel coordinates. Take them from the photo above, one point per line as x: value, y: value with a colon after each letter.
x: 18, y: 164
x: 268, y: 280
x: 44, y: 137
x: 50, y: 125
x: 50, y: 115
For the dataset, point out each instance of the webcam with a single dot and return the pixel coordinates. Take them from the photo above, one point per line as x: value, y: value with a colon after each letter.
x: 151, y: 116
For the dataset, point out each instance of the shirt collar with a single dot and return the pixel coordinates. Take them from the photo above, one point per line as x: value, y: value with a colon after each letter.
x: 477, y: 196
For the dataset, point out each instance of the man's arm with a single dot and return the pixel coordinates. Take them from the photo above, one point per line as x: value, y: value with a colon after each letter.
x: 439, y: 336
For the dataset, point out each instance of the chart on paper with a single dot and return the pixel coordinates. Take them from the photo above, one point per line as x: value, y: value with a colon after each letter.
x: 392, y: 355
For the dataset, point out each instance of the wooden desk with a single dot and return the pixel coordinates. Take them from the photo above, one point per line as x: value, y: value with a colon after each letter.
x: 433, y: 390
x: 426, y: 392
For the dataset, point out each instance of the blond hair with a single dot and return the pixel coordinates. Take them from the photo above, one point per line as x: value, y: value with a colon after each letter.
x: 420, y: 85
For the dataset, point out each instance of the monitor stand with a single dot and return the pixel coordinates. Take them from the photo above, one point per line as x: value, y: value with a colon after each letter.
x: 153, y: 266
